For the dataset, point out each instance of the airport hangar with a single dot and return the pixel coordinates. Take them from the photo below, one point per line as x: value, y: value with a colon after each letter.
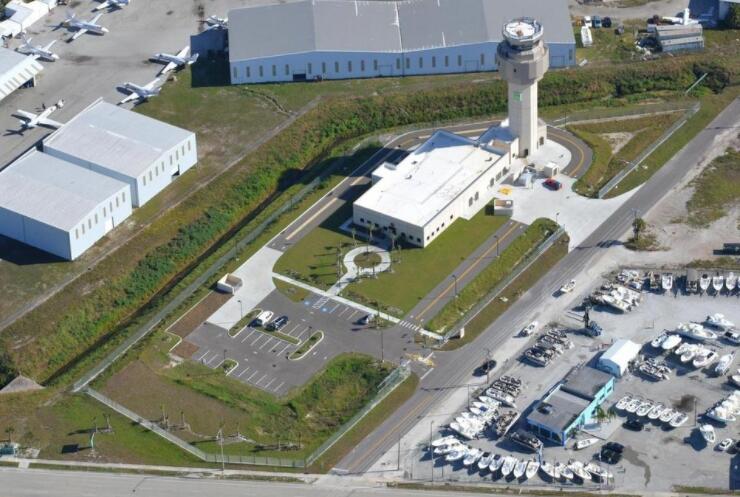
x: 90, y: 174
x: 16, y: 70
x: 344, y: 39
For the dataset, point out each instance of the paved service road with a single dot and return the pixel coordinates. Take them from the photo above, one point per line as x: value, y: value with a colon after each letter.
x: 448, y: 372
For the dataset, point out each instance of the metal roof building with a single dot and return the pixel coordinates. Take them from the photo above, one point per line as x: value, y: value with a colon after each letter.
x: 143, y: 152
x: 15, y: 71
x: 58, y: 206
x: 336, y: 39
x: 617, y: 358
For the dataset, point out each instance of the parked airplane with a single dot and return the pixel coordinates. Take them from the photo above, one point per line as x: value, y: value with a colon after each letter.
x: 38, y: 52
x: 29, y: 120
x: 140, y: 93
x: 83, y: 27
x: 175, y: 61
x: 112, y: 4
x: 215, y: 22
x: 684, y: 19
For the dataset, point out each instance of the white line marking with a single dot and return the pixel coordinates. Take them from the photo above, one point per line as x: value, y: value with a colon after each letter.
x: 279, y: 386
x: 258, y: 381
x: 250, y: 378
x: 245, y: 370
x: 293, y: 329
x: 257, y: 339
x: 343, y: 311
x: 334, y: 308
x: 351, y: 316
x: 249, y: 335
x: 302, y: 332
x: 425, y: 374
x: 204, y: 354
x: 269, y: 339
x: 267, y: 386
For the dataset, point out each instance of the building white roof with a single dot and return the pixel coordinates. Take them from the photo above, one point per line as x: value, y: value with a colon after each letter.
x: 53, y: 191
x: 429, y: 178
x: 117, y: 139
x: 383, y: 26
x: 15, y: 70
x: 621, y: 353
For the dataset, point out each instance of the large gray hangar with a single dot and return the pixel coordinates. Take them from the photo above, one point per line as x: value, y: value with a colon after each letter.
x: 15, y: 71
x: 343, y: 39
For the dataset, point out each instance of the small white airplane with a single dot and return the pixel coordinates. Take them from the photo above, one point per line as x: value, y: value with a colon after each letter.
x: 112, y: 4
x: 173, y: 62
x: 141, y: 93
x: 215, y: 22
x: 29, y: 120
x: 83, y: 27
x: 38, y: 52
x: 684, y: 20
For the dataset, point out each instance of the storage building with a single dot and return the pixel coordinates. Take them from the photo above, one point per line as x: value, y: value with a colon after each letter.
x: 143, y: 152
x: 570, y: 405
x: 342, y: 39
x: 15, y: 71
x: 680, y: 38
x: 57, y: 206
x: 617, y: 358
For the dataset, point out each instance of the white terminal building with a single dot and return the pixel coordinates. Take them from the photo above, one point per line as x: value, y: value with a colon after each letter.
x: 91, y: 173
x: 451, y: 176
x: 345, y: 39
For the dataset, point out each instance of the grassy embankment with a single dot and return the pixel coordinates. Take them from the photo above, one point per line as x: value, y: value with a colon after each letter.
x: 716, y: 190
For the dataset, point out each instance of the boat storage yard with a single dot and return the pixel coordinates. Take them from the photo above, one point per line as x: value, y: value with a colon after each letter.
x: 677, y: 396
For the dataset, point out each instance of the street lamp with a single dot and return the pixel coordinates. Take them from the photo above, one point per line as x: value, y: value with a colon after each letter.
x: 496, y: 237
x: 431, y: 449
x: 557, y: 214
x: 454, y: 276
x: 241, y: 310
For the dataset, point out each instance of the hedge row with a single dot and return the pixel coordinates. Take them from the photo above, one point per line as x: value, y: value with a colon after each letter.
x: 41, y: 347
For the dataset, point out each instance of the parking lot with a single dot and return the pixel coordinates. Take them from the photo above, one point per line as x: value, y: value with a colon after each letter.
x: 263, y: 358
x: 656, y: 458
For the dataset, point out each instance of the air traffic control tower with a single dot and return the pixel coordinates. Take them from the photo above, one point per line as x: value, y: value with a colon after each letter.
x: 523, y: 58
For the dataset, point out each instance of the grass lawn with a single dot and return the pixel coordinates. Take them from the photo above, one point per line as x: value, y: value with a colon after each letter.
x: 492, y: 275
x: 636, y: 135
x: 414, y: 273
x: 716, y: 190
x: 294, y: 293
x: 516, y: 289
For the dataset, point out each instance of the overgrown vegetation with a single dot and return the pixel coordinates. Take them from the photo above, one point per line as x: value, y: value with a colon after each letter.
x: 493, y: 274
x: 716, y: 190
x: 40, y: 347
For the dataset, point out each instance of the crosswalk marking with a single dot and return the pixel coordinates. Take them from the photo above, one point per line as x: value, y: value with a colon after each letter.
x: 409, y: 325
x: 320, y: 303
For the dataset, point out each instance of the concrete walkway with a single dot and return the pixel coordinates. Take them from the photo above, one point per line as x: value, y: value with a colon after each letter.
x: 354, y: 271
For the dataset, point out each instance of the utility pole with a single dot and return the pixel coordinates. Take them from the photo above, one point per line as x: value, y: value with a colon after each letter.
x: 431, y: 449
x: 454, y: 277
x: 488, y: 365
x: 496, y: 237
x: 241, y: 310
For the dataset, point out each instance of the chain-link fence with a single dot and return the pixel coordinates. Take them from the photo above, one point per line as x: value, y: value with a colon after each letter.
x: 631, y: 111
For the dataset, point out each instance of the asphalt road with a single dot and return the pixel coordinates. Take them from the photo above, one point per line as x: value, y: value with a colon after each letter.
x: 455, y: 368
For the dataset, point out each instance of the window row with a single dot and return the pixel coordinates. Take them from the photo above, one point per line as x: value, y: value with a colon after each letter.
x: 94, y: 219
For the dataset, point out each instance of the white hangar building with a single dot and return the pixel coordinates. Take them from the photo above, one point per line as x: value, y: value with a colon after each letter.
x: 343, y: 39
x: 448, y: 177
x: 15, y: 71
x: 145, y: 153
x: 57, y: 206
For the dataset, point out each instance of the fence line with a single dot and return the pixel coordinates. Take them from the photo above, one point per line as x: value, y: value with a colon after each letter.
x: 520, y: 268
x: 648, y: 151
x: 586, y: 115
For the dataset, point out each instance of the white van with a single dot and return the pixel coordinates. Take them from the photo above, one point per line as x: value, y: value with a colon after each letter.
x: 263, y: 318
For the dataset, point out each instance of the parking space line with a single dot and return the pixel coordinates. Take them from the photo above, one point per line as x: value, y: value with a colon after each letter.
x: 302, y: 332
x: 250, y: 378
x: 204, y: 354
x: 249, y: 335
x: 245, y: 370
x: 269, y: 339
x: 279, y: 386
x: 257, y: 383
x: 267, y: 386
x: 257, y: 339
x: 284, y: 349
x: 351, y: 316
x: 294, y: 328
x: 334, y: 308
x: 343, y: 311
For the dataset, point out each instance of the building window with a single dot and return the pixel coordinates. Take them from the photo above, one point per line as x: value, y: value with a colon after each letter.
x: 144, y: 179
x: 177, y: 154
x: 493, y: 180
x: 336, y: 67
x: 96, y: 218
x: 470, y: 201
x: 434, y: 61
x: 123, y: 196
x: 421, y: 62
x: 287, y: 70
x: 274, y: 70
x: 323, y: 68
x: 89, y: 224
x: 408, y: 63
x: 447, y: 61
x: 249, y: 72
x: 375, y: 65
x: 111, y: 207
x: 450, y: 216
x: 477, y: 196
x: 362, y: 219
x: 418, y: 239
x: 482, y: 60
x: 83, y: 229
x: 105, y: 212
x: 170, y: 159
x: 349, y: 66
x: 117, y: 204
x: 362, y: 66
x: 261, y: 72
x: 189, y: 143
x: 77, y: 234
x: 398, y: 63
x: 459, y: 60
x: 235, y: 72
x: 310, y: 68
x: 150, y: 175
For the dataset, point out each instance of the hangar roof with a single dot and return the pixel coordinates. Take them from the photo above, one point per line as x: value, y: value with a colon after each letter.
x: 383, y: 26
x: 15, y: 69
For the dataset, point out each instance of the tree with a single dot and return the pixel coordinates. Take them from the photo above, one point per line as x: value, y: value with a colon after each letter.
x: 9, y: 432
x: 732, y: 21
x: 638, y: 226
x: 353, y: 230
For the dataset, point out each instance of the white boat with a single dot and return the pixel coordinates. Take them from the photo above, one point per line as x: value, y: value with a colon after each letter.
x: 705, y: 359
x: 695, y: 331
x: 707, y: 432
x: 520, y: 469
x: 568, y: 287
x: 579, y: 470
x: 724, y: 364
x: 505, y: 398
x: 498, y: 461
x: 732, y: 336
x: 485, y: 461
x: 615, y: 303
x: 731, y: 281
x: 444, y: 441
x: 457, y: 454
x: 667, y: 415
x: 644, y: 408
x: 678, y: 420
x: 690, y: 353
x: 704, y: 281
x: 472, y: 457
x: 633, y: 405
x: 719, y: 321
x: 532, y: 468
x: 666, y: 282
x: 601, y: 474
x: 489, y: 401
x: 529, y: 329
x: 735, y: 379
x: 586, y: 442
x: 657, y: 342
x: 622, y: 403
x: 548, y: 469
x: 564, y: 471
x: 508, y: 466
x: 671, y: 342
x: 721, y: 414
x: 656, y: 411
x: 718, y: 281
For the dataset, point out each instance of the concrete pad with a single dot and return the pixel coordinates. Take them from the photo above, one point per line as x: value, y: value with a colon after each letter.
x: 564, y: 206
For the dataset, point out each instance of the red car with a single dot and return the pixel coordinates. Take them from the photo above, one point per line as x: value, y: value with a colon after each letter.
x: 553, y: 184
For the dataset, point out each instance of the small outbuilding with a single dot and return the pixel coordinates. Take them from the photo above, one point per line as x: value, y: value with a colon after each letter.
x: 617, y: 358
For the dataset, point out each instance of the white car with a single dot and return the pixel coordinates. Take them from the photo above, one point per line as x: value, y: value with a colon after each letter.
x: 530, y: 328
x: 725, y: 444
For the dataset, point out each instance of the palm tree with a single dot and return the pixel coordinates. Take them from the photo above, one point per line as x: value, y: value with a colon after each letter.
x: 353, y: 230
x: 638, y: 226
x: 9, y: 432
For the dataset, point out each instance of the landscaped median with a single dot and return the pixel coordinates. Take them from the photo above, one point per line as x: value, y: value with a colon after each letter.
x: 517, y: 251
x: 307, y: 346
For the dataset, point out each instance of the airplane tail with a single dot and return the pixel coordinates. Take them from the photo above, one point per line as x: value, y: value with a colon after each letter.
x: 193, y: 58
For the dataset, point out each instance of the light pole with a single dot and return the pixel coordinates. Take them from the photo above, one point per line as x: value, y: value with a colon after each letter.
x: 557, y: 214
x: 496, y: 237
x: 431, y: 449
x: 488, y: 365
x: 454, y: 277
x: 241, y: 310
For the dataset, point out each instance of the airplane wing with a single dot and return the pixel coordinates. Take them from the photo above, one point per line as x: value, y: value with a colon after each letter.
x: 25, y: 115
x: 152, y: 84
x: 129, y: 98
x: 50, y: 123
x: 184, y: 52
x: 49, y: 45
x: 79, y: 33
x: 102, y: 6
x: 95, y: 19
x: 168, y: 68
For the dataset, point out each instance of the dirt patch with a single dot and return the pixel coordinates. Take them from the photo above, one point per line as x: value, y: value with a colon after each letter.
x: 617, y: 140
x: 198, y: 314
x: 185, y: 349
